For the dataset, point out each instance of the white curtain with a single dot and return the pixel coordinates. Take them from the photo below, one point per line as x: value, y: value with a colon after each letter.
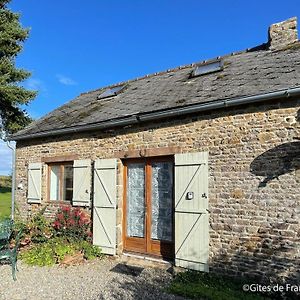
x: 54, y: 183
x: 162, y: 190
x: 136, y: 200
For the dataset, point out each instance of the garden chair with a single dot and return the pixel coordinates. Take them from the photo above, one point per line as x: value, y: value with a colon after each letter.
x: 11, y: 255
x: 6, y: 227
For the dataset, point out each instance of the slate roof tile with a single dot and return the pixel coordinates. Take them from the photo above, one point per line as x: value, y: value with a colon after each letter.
x: 244, y: 74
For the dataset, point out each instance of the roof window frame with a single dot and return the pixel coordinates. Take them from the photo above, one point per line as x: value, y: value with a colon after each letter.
x: 111, y: 92
x: 207, y: 68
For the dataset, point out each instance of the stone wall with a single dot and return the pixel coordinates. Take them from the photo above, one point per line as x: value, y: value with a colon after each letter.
x: 283, y: 34
x: 254, y: 182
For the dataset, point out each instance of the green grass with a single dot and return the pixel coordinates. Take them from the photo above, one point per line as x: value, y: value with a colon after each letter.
x: 196, y: 285
x: 5, y: 202
x: 5, y: 196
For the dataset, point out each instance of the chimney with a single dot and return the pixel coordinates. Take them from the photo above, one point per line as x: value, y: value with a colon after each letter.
x: 283, y: 34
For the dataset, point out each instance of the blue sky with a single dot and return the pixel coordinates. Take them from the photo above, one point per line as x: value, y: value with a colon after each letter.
x: 75, y: 46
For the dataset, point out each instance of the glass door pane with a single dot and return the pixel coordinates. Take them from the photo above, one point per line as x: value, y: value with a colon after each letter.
x: 68, y: 183
x: 162, y: 195
x: 136, y: 200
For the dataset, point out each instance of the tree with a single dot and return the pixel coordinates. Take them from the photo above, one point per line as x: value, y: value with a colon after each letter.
x: 12, y: 95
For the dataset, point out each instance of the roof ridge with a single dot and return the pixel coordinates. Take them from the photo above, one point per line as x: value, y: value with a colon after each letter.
x: 205, y: 61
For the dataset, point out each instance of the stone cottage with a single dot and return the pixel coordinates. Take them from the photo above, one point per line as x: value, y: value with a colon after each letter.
x: 198, y: 165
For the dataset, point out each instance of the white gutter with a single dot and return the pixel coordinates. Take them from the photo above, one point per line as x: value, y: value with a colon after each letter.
x: 166, y: 113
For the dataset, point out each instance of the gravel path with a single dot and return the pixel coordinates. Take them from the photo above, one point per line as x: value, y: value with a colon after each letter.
x: 92, y: 280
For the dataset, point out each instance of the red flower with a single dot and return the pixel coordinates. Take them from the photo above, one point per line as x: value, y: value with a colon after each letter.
x: 56, y: 224
x: 71, y: 222
x: 66, y: 208
x: 77, y: 212
x: 60, y: 216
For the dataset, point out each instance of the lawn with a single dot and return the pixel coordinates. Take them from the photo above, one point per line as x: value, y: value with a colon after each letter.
x: 208, y: 286
x: 5, y: 202
x: 5, y: 197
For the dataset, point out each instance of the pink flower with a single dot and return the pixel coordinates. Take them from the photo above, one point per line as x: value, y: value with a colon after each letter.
x: 66, y: 208
x: 71, y: 222
x: 60, y: 216
x: 56, y: 224
x: 77, y: 212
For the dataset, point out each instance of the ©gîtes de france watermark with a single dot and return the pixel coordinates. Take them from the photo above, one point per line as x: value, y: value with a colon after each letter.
x: 254, y: 287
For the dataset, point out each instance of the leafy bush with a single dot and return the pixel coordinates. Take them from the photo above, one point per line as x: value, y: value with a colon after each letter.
x: 89, y: 251
x: 67, y: 235
x: 55, y: 250
x: 40, y: 229
x: 39, y: 255
x: 72, y: 223
x: 61, y: 248
x: 37, y: 229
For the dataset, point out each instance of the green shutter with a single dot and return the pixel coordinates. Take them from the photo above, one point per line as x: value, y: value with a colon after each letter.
x: 104, y: 210
x: 34, y: 183
x: 82, y: 182
x: 191, y: 215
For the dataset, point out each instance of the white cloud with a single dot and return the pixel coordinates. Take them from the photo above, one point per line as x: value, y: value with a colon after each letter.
x: 35, y: 84
x: 5, y: 159
x: 65, y: 80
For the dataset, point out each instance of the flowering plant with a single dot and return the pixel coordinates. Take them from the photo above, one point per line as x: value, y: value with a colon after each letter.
x: 72, y: 222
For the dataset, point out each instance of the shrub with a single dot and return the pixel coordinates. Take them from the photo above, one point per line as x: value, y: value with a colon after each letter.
x: 39, y: 255
x: 69, y: 234
x: 37, y: 229
x: 40, y: 229
x: 72, y: 222
x: 61, y: 248
x: 55, y: 250
x: 89, y: 251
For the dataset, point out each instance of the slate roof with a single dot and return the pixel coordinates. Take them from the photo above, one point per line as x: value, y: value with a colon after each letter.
x: 244, y: 74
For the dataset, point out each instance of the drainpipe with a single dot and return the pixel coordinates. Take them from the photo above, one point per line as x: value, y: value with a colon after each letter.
x: 13, y: 183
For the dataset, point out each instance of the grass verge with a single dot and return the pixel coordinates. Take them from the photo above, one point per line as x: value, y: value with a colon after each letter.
x: 5, y: 202
x: 196, y: 285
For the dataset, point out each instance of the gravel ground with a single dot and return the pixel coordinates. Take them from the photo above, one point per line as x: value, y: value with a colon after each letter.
x: 92, y: 280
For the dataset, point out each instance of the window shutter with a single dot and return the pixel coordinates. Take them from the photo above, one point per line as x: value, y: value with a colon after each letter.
x: 191, y: 214
x: 82, y: 182
x: 34, y: 183
x: 104, y: 210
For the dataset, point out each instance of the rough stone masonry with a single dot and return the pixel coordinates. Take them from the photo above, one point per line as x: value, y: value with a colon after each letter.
x: 283, y: 33
x: 254, y: 179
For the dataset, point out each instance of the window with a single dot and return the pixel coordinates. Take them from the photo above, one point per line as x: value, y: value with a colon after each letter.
x: 207, y: 68
x: 111, y: 92
x: 61, y: 182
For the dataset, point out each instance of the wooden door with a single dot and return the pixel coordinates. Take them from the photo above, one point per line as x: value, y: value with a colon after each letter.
x: 191, y: 211
x: 104, y: 208
x: 148, y: 206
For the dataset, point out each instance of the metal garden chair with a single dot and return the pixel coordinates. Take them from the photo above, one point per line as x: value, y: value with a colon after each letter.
x: 6, y: 227
x: 11, y: 255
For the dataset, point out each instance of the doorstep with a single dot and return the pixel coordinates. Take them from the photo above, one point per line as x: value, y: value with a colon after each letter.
x: 146, y: 261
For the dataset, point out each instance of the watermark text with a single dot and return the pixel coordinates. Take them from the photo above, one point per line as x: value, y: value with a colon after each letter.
x: 255, y: 287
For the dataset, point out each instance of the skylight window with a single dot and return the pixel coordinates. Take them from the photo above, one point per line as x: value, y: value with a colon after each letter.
x: 208, y: 68
x: 111, y: 92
